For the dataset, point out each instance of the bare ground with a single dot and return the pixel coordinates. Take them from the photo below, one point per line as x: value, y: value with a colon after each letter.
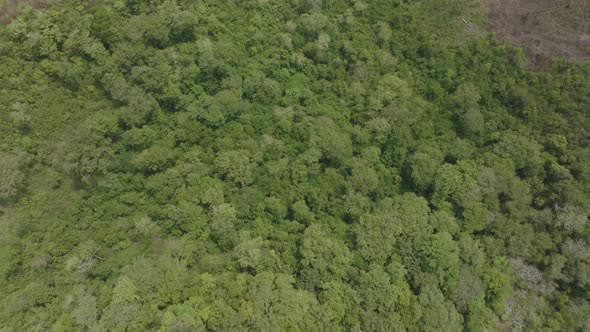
x: 9, y: 8
x: 543, y: 28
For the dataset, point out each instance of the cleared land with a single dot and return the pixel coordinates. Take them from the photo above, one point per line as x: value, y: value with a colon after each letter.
x: 544, y: 28
x: 9, y: 8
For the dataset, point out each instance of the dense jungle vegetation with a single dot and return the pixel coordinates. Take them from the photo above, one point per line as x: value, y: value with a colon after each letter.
x: 298, y: 165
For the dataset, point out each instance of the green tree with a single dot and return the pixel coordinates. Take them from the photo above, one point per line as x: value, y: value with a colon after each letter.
x: 323, y: 259
x: 382, y: 300
x: 12, y: 176
x: 223, y: 224
x: 237, y: 166
x: 438, y: 313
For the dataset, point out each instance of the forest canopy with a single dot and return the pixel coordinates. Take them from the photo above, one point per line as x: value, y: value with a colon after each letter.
x: 301, y: 165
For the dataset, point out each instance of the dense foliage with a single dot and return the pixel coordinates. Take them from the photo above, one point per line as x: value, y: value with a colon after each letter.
x: 287, y: 165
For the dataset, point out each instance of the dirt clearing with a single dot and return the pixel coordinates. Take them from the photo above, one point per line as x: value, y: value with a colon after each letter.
x: 543, y: 28
x: 9, y: 8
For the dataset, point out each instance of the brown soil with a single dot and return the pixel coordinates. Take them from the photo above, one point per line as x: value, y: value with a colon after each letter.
x: 543, y: 28
x: 9, y: 8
